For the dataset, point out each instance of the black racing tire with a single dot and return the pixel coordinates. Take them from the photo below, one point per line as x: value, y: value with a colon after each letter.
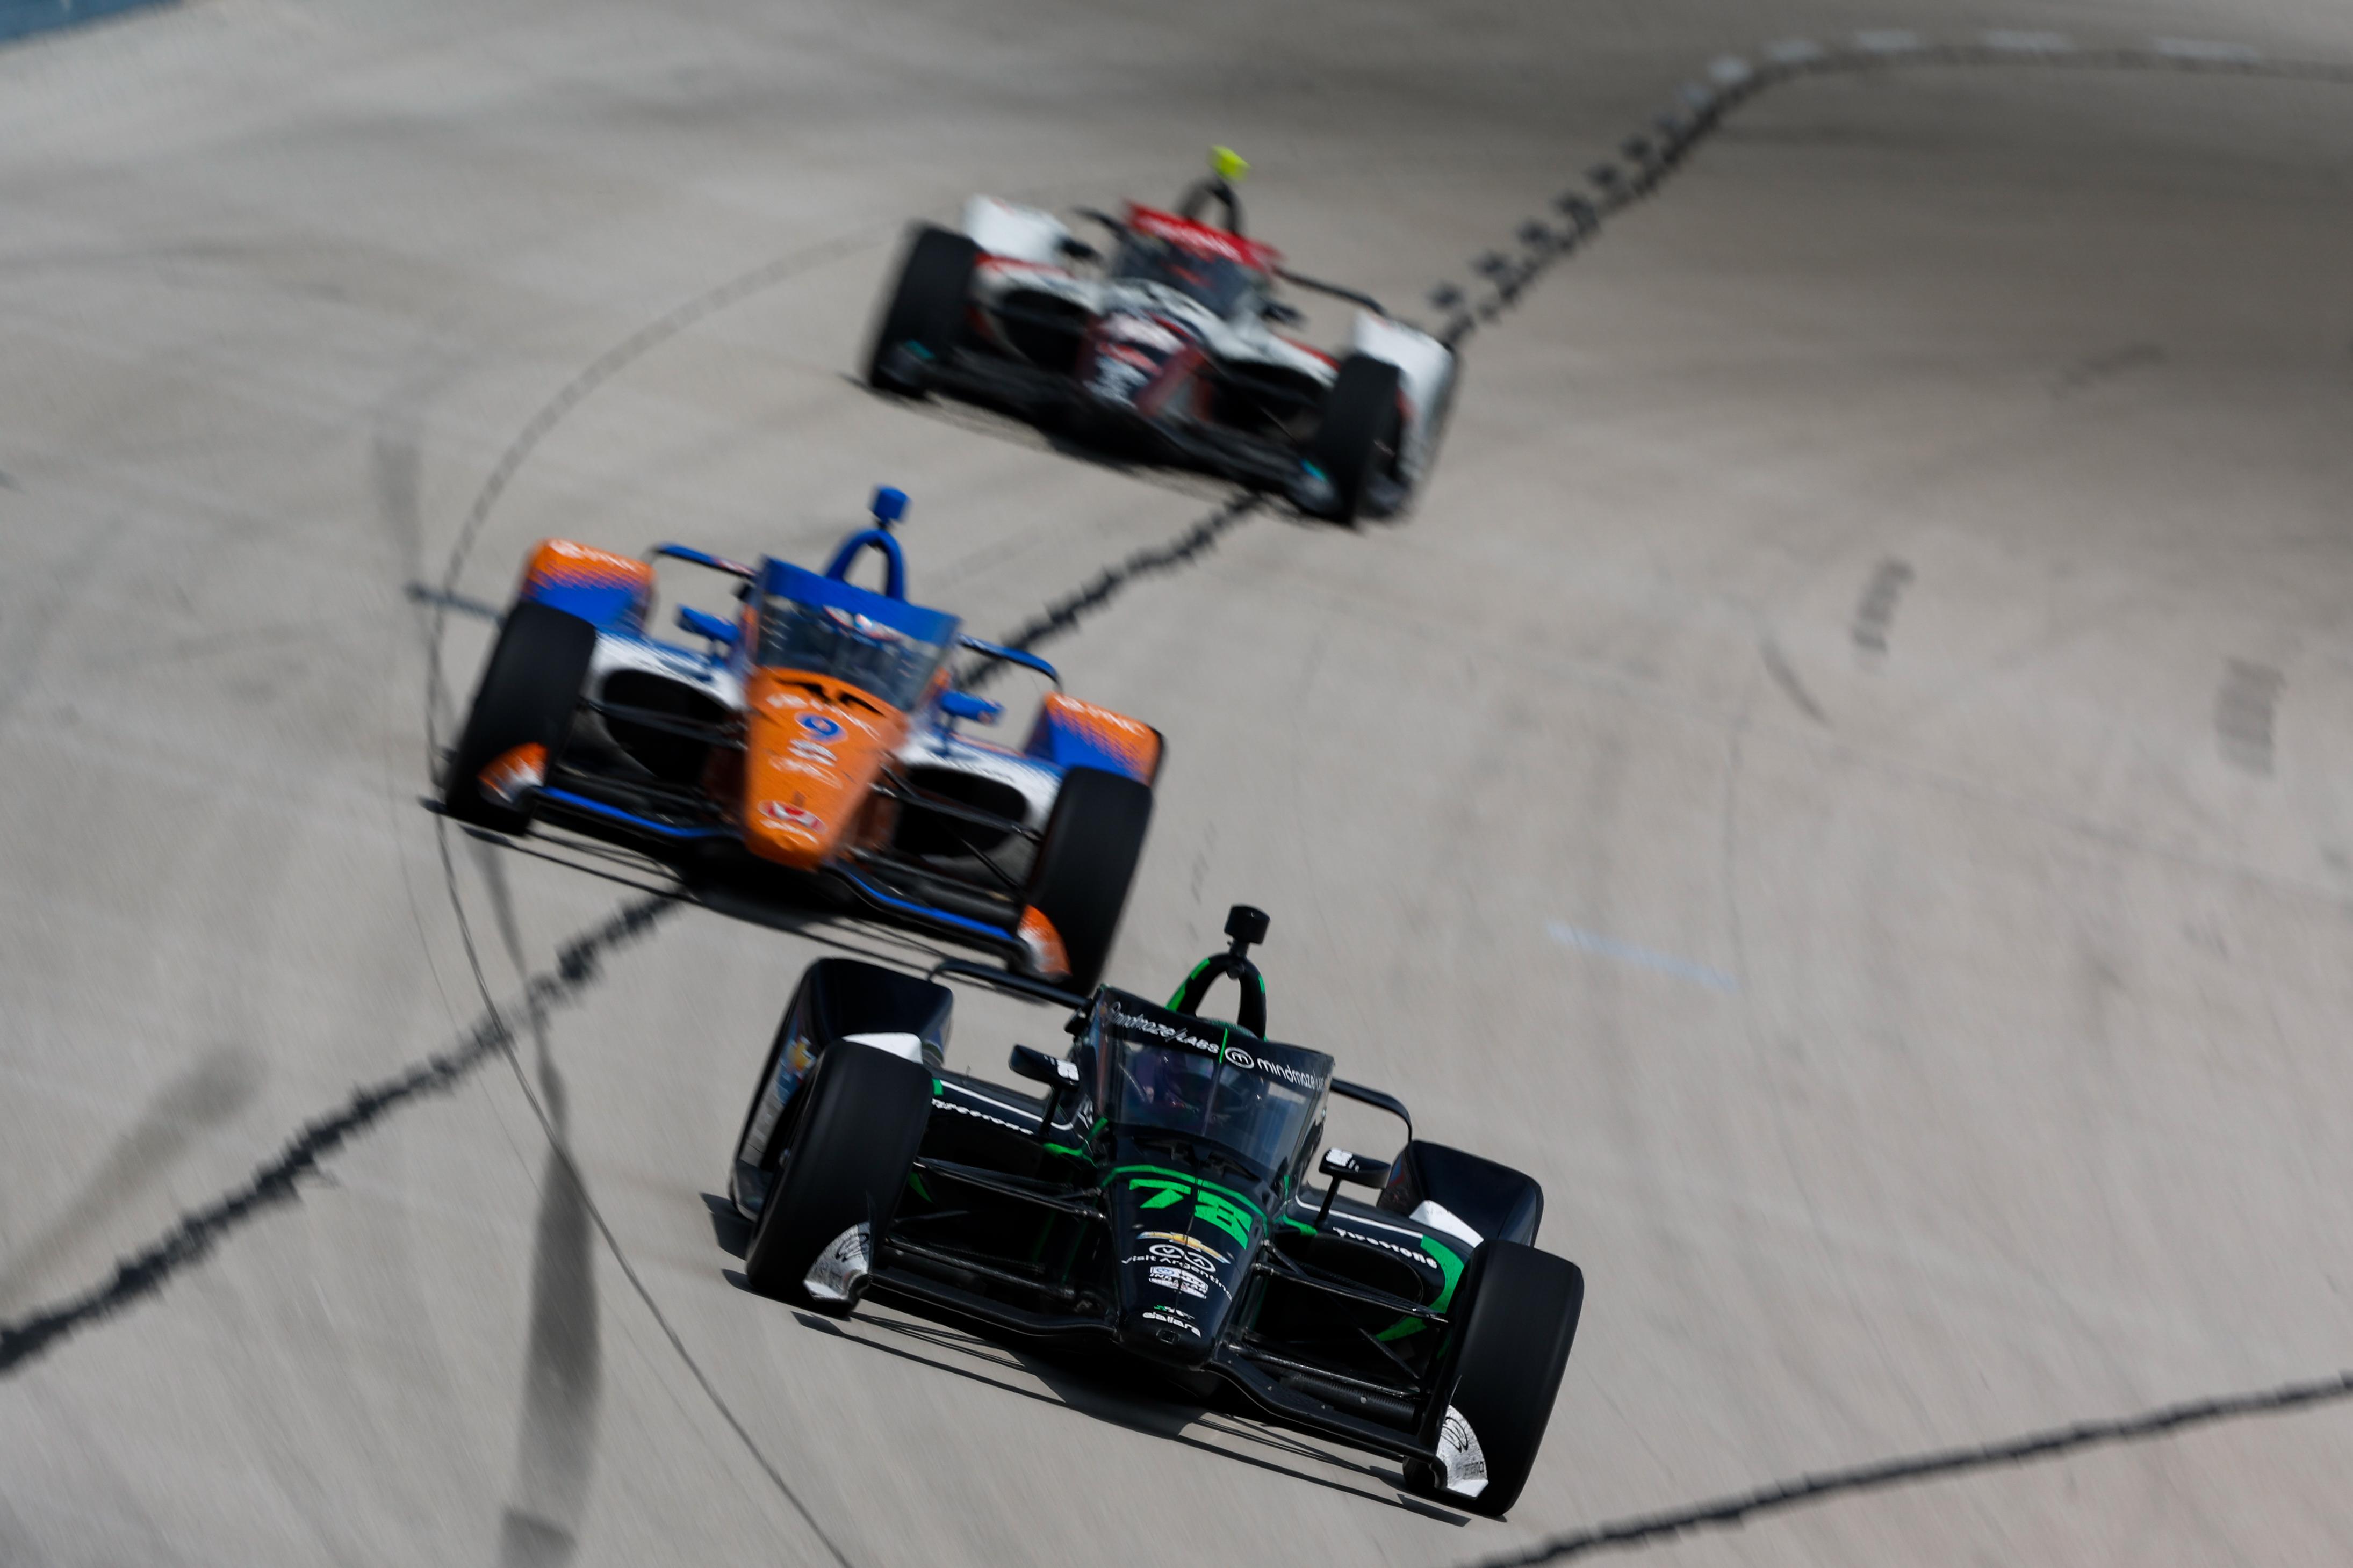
x: 529, y: 692
x: 1358, y: 443
x: 925, y: 315
x: 1501, y: 1368
x: 852, y: 1146
x: 1085, y: 863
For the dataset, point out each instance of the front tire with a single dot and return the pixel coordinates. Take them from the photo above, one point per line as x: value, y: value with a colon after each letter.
x: 1503, y: 1368
x: 530, y: 689
x: 1356, y: 445
x: 1085, y: 863
x: 926, y: 316
x: 852, y: 1145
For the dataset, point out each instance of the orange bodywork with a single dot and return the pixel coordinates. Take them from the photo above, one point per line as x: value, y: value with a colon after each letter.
x: 561, y: 563
x: 813, y: 748
x: 1135, y: 744
x: 514, y: 774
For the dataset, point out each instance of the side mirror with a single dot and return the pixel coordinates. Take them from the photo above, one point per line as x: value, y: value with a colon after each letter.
x: 1283, y: 315
x: 1077, y: 249
x: 1027, y: 1062
x: 711, y: 627
x: 1342, y: 1166
x: 964, y: 705
x: 1364, y: 1170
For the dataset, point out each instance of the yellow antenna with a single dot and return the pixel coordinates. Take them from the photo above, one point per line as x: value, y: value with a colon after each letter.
x: 1228, y: 165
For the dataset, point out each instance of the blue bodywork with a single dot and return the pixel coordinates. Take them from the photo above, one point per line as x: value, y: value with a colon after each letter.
x: 608, y: 607
x: 619, y: 611
x: 1065, y: 746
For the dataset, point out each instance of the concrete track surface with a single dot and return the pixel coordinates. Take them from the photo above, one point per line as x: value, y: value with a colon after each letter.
x: 1843, y: 778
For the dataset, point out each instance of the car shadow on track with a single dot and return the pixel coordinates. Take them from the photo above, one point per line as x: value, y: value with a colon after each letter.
x: 1102, y: 1387
x: 987, y: 420
x: 755, y: 899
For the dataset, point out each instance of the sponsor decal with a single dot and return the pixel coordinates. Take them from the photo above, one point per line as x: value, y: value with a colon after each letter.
x: 823, y: 728
x: 1195, y: 237
x: 1168, y: 1252
x: 1234, y: 1055
x: 1159, y: 1030
x: 1208, y: 1206
x: 1460, y: 1455
x: 1178, y: 1240
x: 1176, y: 1317
x: 810, y: 752
x: 1163, y: 1276
x: 776, y: 814
x: 839, y: 1272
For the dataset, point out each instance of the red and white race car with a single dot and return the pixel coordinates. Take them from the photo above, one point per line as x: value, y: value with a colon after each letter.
x: 1169, y: 346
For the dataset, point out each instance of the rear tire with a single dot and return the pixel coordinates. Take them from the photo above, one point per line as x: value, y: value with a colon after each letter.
x: 925, y: 315
x: 1086, y: 862
x: 852, y: 1145
x: 530, y: 689
x: 1502, y: 1370
x: 1358, y: 443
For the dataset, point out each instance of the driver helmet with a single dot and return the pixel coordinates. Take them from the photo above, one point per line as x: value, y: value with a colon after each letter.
x: 1167, y: 1083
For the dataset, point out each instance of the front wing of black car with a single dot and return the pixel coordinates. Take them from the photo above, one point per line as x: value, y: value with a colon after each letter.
x: 925, y: 1264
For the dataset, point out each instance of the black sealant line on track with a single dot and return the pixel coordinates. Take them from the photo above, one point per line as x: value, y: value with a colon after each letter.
x: 1725, y: 1513
x: 1648, y: 159
x: 1063, y: 615
x: 145, y: 1273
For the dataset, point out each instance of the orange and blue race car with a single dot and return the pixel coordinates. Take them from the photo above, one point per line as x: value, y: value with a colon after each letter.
x: 816, y: 737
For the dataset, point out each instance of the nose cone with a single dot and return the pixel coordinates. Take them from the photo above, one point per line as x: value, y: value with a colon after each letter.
x: 809, y: 769
x: 1184, y: 1251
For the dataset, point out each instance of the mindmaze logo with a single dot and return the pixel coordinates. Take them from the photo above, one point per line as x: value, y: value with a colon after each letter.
x: 1236, y: 1055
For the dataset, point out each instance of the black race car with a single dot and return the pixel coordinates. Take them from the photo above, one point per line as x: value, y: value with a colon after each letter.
x: 1158, y: 1199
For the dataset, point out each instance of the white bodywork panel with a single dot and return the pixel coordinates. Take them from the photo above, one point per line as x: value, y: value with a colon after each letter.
x: 1438, y: 1217
x: 1031, y: 239
x: 1038, y: 783
x: 1024, y: 234
x: 1460, y: 1455
x: 910, y: 1047
x: 1425, y: 367
x: 617, y: 652
x: 840, y: 1270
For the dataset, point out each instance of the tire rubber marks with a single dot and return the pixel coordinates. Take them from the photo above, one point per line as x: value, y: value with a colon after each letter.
x: 1876, y: 612
x: 2243, y: 709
